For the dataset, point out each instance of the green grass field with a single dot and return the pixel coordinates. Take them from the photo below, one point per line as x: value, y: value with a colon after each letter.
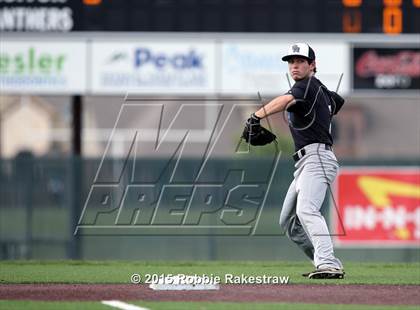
x: 120, y: 272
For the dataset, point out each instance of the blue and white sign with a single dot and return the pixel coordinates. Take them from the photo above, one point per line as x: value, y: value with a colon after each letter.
x: 251, y: 66
x: 150, y: 67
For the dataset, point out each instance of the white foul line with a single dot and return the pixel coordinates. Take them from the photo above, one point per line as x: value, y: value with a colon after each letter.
x: 122, y: 305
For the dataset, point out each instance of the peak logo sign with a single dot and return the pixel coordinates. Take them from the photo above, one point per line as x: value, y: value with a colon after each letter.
x: 178, y: 61
x: 380, y: 207
x: 163, y: 67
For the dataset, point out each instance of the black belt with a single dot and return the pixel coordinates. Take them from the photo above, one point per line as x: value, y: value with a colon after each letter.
x: 300, y: 153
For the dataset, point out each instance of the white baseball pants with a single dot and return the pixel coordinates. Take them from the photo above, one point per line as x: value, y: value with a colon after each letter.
x: 300, y: 216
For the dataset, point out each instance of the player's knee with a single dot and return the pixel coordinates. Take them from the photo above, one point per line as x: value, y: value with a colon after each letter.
x: 305, y: 212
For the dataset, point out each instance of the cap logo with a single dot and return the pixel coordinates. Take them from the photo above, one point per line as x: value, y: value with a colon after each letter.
x: 295, y: 48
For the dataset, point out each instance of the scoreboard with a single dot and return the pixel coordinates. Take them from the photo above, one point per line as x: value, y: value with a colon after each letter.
x: 324, y: 16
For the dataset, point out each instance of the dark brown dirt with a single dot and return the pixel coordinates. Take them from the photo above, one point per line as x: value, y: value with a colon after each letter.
x: 326, y: 294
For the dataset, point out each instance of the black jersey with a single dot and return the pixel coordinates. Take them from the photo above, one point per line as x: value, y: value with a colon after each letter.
x: 310, y: 118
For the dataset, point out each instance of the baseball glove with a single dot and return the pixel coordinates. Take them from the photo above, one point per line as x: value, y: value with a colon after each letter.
x: 255, y: 134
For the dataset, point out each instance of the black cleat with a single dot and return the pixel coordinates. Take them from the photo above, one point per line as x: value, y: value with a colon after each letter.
x: 326, y: 273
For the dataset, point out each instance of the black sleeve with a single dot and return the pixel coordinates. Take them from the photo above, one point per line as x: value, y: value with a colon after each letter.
x: 337, y: 101
x: 298, y: 91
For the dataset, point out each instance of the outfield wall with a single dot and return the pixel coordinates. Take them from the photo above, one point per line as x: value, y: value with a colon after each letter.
x: 37, y: 219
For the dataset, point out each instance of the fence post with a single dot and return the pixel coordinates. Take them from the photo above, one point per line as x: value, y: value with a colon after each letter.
x: 24, y: 169
x: 75, y: 199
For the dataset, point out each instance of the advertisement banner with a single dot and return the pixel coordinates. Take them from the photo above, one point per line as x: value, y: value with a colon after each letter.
x: 47, y: 67
x: 150, y: 67
x: 255, y: 66
x: 386, y: 68
x: 377, y: 206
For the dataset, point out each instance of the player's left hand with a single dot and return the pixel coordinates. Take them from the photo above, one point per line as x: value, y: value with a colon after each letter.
x: 255, y: 134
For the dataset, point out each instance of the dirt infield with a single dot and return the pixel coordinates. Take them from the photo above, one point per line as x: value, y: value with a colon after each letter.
x: 326, y: 294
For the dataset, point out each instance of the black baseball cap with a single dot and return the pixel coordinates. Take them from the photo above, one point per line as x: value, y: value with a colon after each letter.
x: 299, y: 49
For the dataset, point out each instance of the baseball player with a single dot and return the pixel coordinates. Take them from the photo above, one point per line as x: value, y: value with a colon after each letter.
x: 310, y: 108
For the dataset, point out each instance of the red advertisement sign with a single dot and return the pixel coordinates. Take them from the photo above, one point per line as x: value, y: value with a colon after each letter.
x: 386, y: 68
x: 377, y: 206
